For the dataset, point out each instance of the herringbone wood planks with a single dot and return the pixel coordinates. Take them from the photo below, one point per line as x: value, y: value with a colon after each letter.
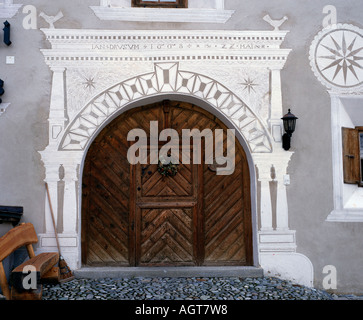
x: 131, y: 215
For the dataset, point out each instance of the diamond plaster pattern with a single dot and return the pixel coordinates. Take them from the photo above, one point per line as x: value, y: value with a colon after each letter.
x: 166, y: 79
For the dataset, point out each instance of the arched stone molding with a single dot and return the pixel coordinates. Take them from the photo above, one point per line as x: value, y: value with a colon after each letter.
x: 98, y: 74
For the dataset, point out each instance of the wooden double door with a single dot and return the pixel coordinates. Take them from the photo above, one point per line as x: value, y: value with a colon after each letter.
x: 132, y: 215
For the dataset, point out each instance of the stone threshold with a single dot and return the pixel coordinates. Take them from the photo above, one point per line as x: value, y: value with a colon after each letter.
x: 172, y: 272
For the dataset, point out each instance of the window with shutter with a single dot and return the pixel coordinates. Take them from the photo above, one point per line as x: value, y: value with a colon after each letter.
x: 160, y: 3
x: 352, y: 139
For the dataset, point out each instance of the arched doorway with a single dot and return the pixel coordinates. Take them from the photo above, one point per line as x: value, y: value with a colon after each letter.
x: 133, y: 216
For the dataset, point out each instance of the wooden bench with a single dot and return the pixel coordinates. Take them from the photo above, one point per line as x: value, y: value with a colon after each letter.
x: 43, y: 264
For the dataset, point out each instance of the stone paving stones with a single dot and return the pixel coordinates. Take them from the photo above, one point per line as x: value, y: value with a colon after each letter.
x: 232, y: 288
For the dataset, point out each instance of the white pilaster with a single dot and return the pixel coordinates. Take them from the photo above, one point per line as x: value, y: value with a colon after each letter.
x: 52, y: 178
x: 57, y: 110
x: 282, y: 216
x: 70, y: 206
x: 264, y: 176
x: 282, y: 211
x: 276, y: 105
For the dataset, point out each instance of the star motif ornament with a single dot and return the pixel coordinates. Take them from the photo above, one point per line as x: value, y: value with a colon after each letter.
x: 89, y: 83
x: 249, y: 85
x: 339, y: 58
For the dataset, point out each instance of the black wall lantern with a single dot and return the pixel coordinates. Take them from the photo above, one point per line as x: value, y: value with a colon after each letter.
x: 7, y: 41
x: 289, y: 121
x: 7, y: 33
x: 2, y: 91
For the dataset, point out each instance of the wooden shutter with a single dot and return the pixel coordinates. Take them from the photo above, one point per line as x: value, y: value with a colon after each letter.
x: 351, y: 155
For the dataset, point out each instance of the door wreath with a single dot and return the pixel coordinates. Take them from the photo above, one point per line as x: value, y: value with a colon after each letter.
x: 169, y: 169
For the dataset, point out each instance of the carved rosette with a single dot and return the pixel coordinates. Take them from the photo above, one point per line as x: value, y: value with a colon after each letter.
x: 336, y: 58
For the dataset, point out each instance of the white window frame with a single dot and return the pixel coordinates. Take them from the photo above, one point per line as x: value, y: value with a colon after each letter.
x: 198, y: 11
x: 348, y: 204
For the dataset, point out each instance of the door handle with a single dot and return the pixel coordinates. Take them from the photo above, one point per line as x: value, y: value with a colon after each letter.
x: 350, y: 156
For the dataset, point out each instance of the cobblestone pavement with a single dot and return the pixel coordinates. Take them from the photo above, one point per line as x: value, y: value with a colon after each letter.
x: 232, y: 288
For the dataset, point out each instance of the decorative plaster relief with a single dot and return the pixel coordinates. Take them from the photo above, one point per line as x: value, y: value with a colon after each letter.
x: 108, y: 48
x: 98, y: 59
x: 336, y: 58
x: 276, y: 24
x: 83, y: 84
x: 96, y: 73
x: 253, y: 88
x: 8, y: 9
x: 51, y: 20
x: 167, y: 78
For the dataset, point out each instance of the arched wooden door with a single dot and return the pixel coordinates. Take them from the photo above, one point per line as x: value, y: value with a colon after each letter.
x: 134, y: 216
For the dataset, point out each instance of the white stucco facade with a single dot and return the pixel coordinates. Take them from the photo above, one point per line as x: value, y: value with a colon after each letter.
x: 73, y: 68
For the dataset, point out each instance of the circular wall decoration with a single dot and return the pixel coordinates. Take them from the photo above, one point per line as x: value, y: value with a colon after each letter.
x: 336, y: 58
